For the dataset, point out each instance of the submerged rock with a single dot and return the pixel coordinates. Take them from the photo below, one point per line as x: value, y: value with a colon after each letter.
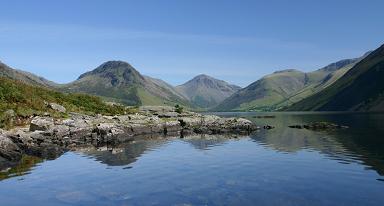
x: 319, y: 126
x: 296, y: 126
x: 264, y: 116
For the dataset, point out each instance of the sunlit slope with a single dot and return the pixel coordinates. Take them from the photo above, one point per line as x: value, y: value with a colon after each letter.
x: 119, y: 81
x: 361, y: 88
x: 284, y: 88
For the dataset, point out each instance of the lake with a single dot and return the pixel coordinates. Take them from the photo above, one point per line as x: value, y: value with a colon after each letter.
x: 281, y: 166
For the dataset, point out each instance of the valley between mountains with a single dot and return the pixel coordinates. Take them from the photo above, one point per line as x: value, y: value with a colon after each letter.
x: 354, y: 84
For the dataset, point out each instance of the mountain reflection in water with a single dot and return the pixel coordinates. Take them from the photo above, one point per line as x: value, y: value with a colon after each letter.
x: 270, y: 167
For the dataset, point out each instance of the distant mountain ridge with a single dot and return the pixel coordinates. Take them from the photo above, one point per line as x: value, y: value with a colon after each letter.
x: 348, y: 84
x: 205, y: 91
x: 283, y: 88
x: 118, y: 81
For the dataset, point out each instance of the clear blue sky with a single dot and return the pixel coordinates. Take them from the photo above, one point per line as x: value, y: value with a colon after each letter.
x: 238, y: 41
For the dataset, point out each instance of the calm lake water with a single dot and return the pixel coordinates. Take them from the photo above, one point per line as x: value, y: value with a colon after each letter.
x: 282, y: 166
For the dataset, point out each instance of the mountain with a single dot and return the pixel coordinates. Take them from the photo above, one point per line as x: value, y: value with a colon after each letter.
x: 26, y: 77
x: 119, y: 81
x: 285, y: 87
x: 264, y: 93
x: 360, y: 89
x: 204, y: 91
x: 321, y: 79
x: 163, y: 84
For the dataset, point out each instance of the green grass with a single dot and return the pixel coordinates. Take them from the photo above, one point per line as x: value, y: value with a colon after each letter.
x: 26, y: 100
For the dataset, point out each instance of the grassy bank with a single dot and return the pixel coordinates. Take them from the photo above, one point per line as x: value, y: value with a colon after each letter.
x: 20, y: 101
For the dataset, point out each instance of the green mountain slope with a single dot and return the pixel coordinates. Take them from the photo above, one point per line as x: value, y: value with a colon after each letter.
x: 318, y: 80
x: 163, y: 84
x: 361, y: 88
x: 119, y: 81
x: 26, y: 77
x: 284, y: 88
x: 204, y: 91
x: 264, y: 93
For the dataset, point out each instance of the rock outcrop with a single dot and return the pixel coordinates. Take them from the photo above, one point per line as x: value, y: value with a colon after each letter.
x: 47, y: 137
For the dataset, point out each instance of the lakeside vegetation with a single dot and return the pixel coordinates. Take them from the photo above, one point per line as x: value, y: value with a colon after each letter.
x: 20, y: 101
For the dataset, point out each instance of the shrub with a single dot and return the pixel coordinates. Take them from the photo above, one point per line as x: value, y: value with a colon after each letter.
x: 179, y: 109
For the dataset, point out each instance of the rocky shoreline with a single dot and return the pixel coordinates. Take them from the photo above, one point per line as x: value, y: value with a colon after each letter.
x: 48, y: 137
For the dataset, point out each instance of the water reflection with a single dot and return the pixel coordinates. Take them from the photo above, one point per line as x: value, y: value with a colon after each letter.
x: 205, y: 142
x: 123, y: 154
x: 363, y: 142
x: 282, y: 166
x: 27, y: 163
x: 127, y: 153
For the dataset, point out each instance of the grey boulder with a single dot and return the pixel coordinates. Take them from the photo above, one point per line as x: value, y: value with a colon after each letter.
x: 57, y: 107
x: 41, y: 124
x: 9, y: 150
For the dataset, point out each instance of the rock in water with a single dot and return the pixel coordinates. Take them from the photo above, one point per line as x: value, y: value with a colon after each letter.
x: 48, y: 137
x: 268, y: 127
x: 296, y: 126
x: 41, y: 124
x: 319, y: 126
x: 9, y: 150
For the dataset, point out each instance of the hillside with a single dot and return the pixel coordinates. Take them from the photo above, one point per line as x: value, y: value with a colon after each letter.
x: 119, y: 81
x: 318, y: 80
x: 265, y: 92
x: 26, y: 77
x: 23, y: 100
x: 204, y: 91
x: 286, y: 87
x: 163, y: 84
x: 360, y: 89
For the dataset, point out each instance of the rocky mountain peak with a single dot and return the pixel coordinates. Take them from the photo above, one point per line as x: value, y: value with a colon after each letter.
x: 113, y: 68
